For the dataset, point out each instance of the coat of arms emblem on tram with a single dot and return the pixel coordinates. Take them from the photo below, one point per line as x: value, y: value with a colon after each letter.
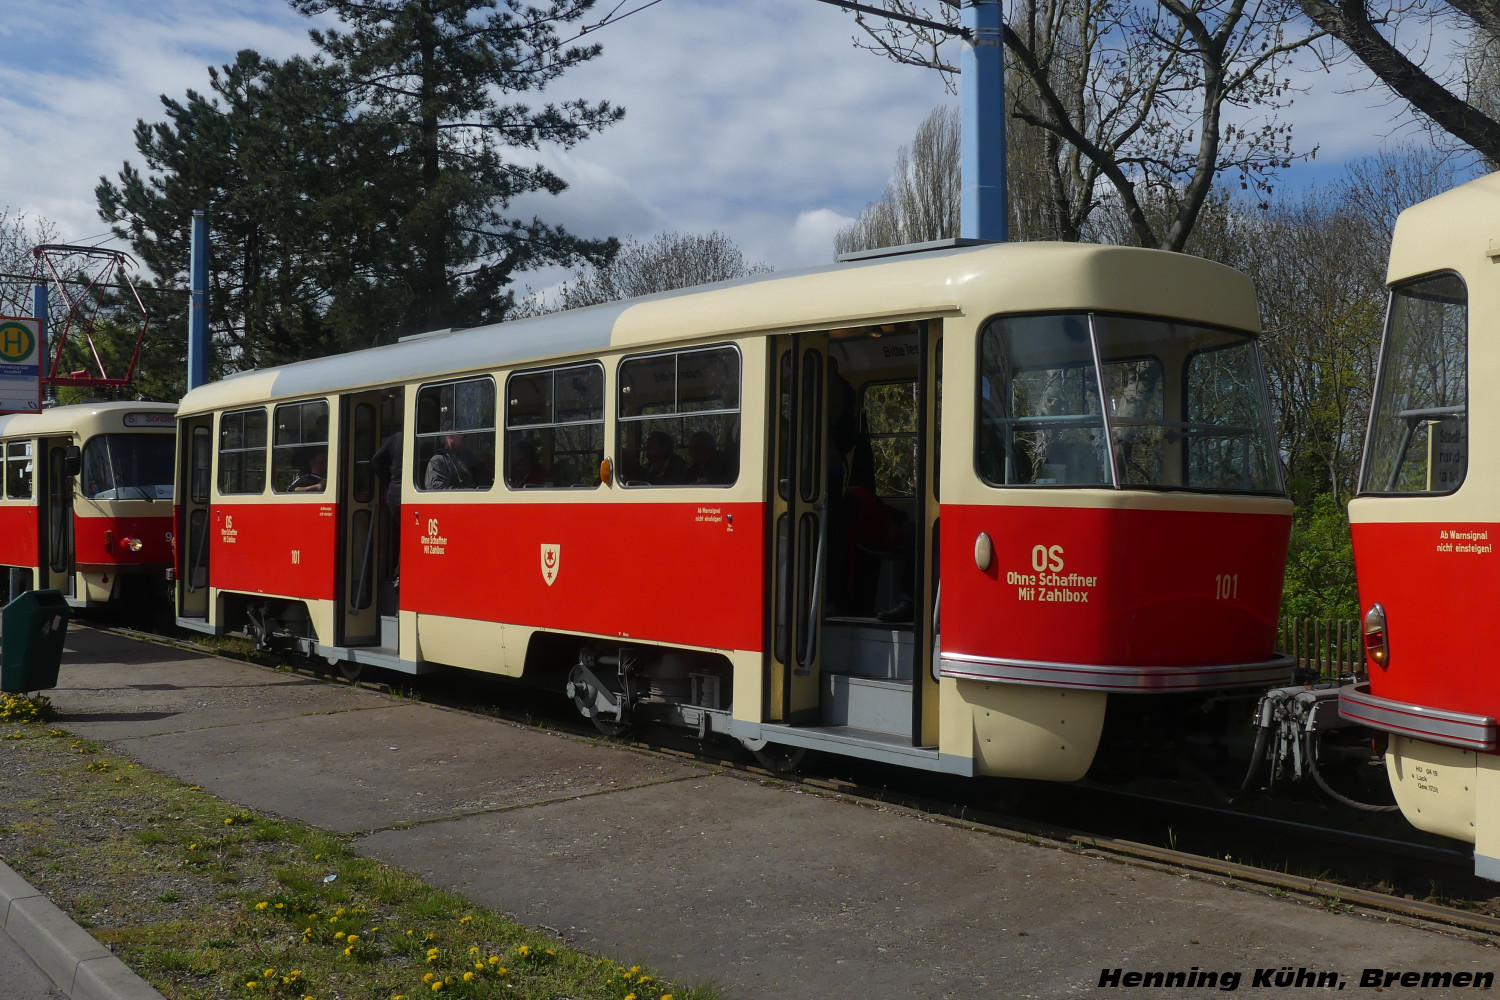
x: 551, y: 558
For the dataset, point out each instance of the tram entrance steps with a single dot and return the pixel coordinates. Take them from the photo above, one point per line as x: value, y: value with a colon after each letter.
x: 867, y: 649
x: 389, y: 636
x: 868, y: 703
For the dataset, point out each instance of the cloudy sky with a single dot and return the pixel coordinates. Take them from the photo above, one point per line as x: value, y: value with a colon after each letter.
x: 757, y: 118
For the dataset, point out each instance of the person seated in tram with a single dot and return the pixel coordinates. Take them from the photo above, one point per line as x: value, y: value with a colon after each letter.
x: 664, y: 467
x: 706, y: 464
x: 315, y: 479
x: 447, y: 469
x: 525, y: 469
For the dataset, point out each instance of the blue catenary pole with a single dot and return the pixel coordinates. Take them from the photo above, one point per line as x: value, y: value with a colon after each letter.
x: 39, y: 310
x: 983, y: 212
x: 197, y: 353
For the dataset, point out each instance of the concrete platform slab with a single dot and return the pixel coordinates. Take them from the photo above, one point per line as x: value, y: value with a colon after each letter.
x: 769, y: 890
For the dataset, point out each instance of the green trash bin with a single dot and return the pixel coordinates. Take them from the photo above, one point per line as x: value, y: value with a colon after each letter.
x: 32, y: 627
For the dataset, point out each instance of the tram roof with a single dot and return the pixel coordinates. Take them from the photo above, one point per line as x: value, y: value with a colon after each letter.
x: 1451, y: 231
x: 984, y: 280
x: 86, y: 417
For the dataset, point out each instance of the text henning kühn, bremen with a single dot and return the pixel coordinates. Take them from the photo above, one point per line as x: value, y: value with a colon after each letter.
x: 1288, y: 977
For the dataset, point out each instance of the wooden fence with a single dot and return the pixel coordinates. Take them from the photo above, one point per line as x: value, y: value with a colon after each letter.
x: 1334, y: 647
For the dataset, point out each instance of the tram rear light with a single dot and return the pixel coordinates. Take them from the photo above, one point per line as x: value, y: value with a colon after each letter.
x: 1376, y: 646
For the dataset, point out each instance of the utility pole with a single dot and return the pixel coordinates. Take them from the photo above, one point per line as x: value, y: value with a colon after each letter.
x: 197, y: 353
x: 984, y: 211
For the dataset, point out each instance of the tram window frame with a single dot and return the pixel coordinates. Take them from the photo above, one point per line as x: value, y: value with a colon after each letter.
x: 1105, y: 393
x: 450, y: 419
x: 544, y: 436
x: 632, y: 430
x: 292, y: 453
x: 1272, y: 466
x: 875, y: 436
x: 1374, y: 446
x: 26, y: 476
x: 236, y: 466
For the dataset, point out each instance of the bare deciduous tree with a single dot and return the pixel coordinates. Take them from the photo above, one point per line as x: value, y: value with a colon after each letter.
x: 1460, y: 97
x: 1145, y: 104
x: 665, y: 262
x: 18, y: 234
x: 922, y: 197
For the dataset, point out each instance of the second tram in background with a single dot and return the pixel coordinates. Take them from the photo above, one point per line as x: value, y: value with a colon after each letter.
x: 86, y: 504
x: 1426, y: 522
x: 980, y: 510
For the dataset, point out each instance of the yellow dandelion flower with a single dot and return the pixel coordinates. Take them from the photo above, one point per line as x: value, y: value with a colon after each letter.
x: 474, y: 950
x: 464, y: 920
x: 666, y: 996
x: 501, y: 971
x: 635, y: 968
x: 269, y: 973
x: 349, y: 951
x: 353, y: 938
x: 523, y: 950
x: 551, y: 952
x: 408, y: 933
x: 428, y: 978
x: 262, y: 905
x: 437, y: 986
x: 251, y: 985
x: 192, y: 847
x: 468, y: 977
x: 494, y: 959
x: 280, y: 906
x: 229, y: 821
x: 339, y: 912
x: 296, y: 973
x: 339, y: 936
x: 630, y: 996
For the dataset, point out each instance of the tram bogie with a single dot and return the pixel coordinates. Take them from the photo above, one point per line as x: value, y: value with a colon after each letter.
x: 948, y: 510
x: 1424, y: 525
x: 86, y: 503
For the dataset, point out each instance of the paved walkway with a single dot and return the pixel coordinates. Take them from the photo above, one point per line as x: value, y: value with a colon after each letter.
x: 769, y: 891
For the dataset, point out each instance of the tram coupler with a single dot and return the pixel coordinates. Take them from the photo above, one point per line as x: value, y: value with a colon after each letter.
x: 1285, y: 721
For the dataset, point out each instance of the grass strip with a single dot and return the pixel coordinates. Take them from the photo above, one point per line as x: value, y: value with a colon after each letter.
x: 204, y: 899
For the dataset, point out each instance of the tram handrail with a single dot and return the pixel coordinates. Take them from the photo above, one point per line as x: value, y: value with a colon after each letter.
x: 1412, y: 417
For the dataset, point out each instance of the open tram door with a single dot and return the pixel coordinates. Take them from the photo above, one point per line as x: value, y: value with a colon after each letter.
x: 798, y: 526
x: 60, y: 464
x: 852, y: 531
x: 367, y: 601
x: 194, y: 480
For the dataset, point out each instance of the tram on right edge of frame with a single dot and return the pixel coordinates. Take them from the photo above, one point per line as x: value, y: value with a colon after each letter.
x: 988, y: 510
x: 1425, y: 524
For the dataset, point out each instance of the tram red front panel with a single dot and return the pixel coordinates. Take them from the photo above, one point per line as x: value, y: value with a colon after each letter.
x: 687, y: 573
x: 1437, y: 583
x: 274, y: 548
x: 98, y: 541
x: 18, y: 535
x: 1113, y: 587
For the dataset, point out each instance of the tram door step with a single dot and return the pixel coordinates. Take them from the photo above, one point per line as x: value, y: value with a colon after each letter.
x: 389, y: 637
x: 882, y: 706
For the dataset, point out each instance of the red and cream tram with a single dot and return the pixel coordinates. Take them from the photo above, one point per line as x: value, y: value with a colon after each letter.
x: 946, y: 509
x: 1425, y: 525
x: 87, y: 500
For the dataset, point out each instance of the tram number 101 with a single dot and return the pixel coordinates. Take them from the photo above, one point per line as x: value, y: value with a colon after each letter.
x: 1226, y: 586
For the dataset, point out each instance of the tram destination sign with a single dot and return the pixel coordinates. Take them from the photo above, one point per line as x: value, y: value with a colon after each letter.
x: 20, y: 365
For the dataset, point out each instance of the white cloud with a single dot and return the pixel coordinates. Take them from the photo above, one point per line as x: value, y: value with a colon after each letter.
x: 813, y: 232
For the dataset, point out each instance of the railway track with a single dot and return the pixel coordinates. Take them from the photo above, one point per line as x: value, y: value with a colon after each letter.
x: 1287, y: 847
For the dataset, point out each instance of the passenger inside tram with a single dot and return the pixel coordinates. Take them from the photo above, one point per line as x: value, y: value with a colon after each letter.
x: 315, y: 479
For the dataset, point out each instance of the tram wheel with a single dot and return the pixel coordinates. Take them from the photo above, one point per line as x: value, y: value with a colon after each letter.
x: 351, y: 670
x: 610, y: 727
x: 778, y: 758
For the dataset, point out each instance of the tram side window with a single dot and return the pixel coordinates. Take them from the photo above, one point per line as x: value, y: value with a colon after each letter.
x: 18, y: 470
x: 242, y: 451
x: 1418, y: 440
x: 888, y: 415
x: 1040, y: 421
x: 455, y: 446
x: 299, y: 453
x: 554, y: 428
x: 679, y: 419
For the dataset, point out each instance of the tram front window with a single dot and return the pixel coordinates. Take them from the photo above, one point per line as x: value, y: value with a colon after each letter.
x: 1419, y: 429
x: 1099, y: 400
x: 127, y: 467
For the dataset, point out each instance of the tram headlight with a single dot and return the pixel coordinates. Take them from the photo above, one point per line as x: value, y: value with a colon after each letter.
x: 1376, y: 645
x: 133, y: 544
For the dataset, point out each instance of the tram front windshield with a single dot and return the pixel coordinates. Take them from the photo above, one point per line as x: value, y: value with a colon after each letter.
x: 1092, y: 399
x: 127, y: 467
